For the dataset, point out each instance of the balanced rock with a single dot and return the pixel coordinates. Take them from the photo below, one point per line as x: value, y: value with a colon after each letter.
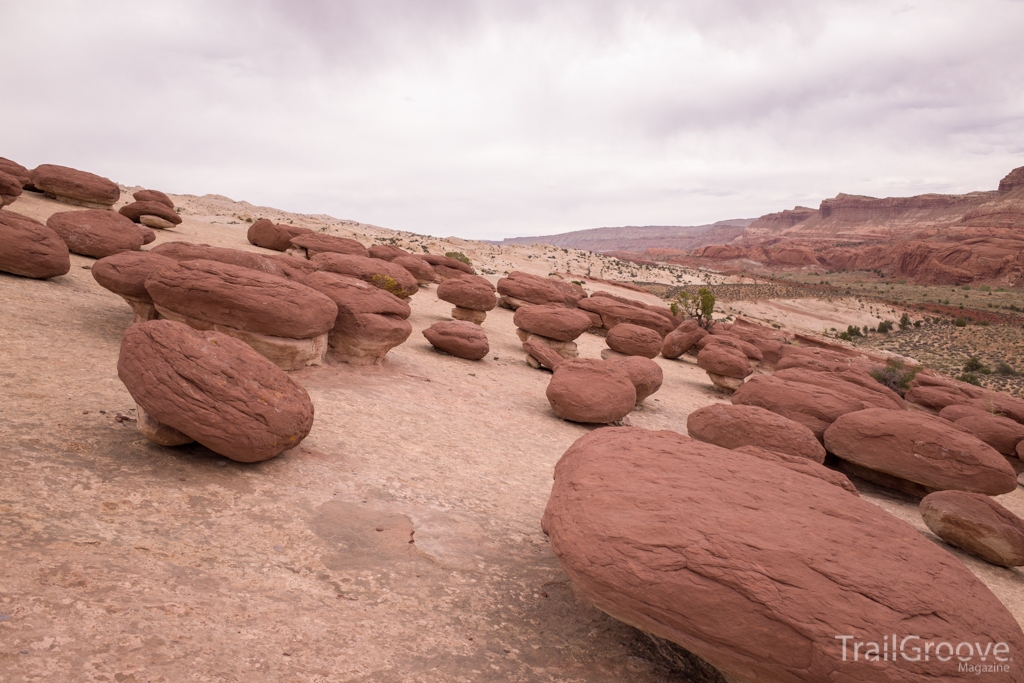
x: 682, y: 339
x: 72, y: 186
x: 264, y: 233
x: 552, y: 321
x: 382, y: 274
x: 634, y: 340
x: 153, y: 196
x: 281, y: 265
x: 125, y: 274
x: 214, y: 389
x: 644, y: 373
x: 803, y: 465
x: 747, y: 349
x: 540, y: 355
x: 30, y: 249
x: 420, y: 269
x: 370, y: 322
x: 387, y: 252
x: 520, y: 289
x: 10, y: 189
x: 13, y: 168
x: 757, y: 568
x: 309, y: 244
x: 977, y: 524
x: 726, y: 366
x: 591, y: 391
x: 734, y: 426
x: 444, y: 264
x: 1001, y: 433
x: 458, y: 338
x: 614, y: 313
x: 285, y: 321
x: 96, y: 232
x: 813, y: 406
x: 920, y: 448
x: 140, y: 212
x: 471, y: 295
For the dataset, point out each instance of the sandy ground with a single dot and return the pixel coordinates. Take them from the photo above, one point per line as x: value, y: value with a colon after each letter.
x: 399, y: 542
x: 816, y: 316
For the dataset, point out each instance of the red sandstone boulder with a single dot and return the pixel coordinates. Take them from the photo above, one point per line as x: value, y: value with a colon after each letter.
x: 447, y: 262
x: 733, y: 426
x: 921, y: 448
x: 840, y: 381
x: 125, y: 274
x: 96, y: 232
x: 313, y: 243
x: 30, y: 249
x: 264, y: 233
x: 241, y: 298
x: 543, y: 355
x: 458, y: 338
x: 521, y: 288
x: 1001, y: 433
x: 682, y: 339
x: 153, y: 196
x: 387, y: 252
x: 955, y: 412
x: 803, y: 465
x: 590, y: 391
x: 10, y: 189
x: 281, y: 265
x: 644, y: 373
x: 420, y: 269
x: 137, y: 212
x: 726, y: 366
x: 472, y: 292
x: 746, y: 348
x: 634, y: 340
x: 976, y: 524
x: 15, y: 169
x: 75, y: 187
x: 552, y: 321
x: 614, y: 313
x: 755, y: 567
x: 932, y: 390
x: 370, y: 322
x: 214, y: 389
x: 815, y: 407
x: 382, y: 274
x: 1003, y: 404
x: 572, y: 292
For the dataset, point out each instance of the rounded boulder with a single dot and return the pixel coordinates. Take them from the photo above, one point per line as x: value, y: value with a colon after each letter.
x: 72, y: 186
x: 472, y: 292
x: 977, y: 524
x: 96, y: 232
x: 458, y: 338
x: 634, y: 340
x: 590, y: 391
x: 31, y: 249
x: 735, y: 426
x: 553, y: 321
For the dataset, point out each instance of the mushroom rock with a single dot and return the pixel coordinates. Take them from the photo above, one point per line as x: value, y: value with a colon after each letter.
x: 976, y: 524
x: 281, y: 265
x: 471, y: 295
x: 757, y: 568
x: 733, y: 426
x: 614, y: 313
x: 387, y: 252
x: 383, y: 274
x: 682, y: 339
x: 816, y: 407
x: 447, y: 262
x: 634, y: 340
x: 138, y: 211
x: 726, y: 366
x: 72, y: 186
x: 264, y: 233
x: 590, y: 391
x: 13, y: 168
x: 157, y: 432
x: 520, y: 289
x: 153, y: 196
x: 458, y: 338
x: 746, y: 348
x: 920, y: 448
x: 420, y: 269
x: 644, y: 373
x: 285, y: 321
x: 803, y: 465
x: 10, y: 189
x: 674, y: 320
x: 125, y: 274
x: 213, y: 389
x: 1001, y: 433
x: 96, y: 232
x: 370, y: 322
x: 552, y: 321
x: 310, y: 244
x: 540, y: 355
x: 30, y: 249
x: 572, y: 292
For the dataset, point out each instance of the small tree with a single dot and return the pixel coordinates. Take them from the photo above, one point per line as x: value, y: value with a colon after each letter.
x: 699, y: 306
x: 904, y: 321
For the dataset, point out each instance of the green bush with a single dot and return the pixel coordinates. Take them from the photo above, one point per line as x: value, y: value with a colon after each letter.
x: 1005, y: 369
x: 960, y: 322
x: 885, y: 327
x: 459, y: 256
x: 970, y: 378
x: 904, y: 321
x: 699, y: 306
x: 974, y: 364
x: 896, y: 375
x: 985, y: 288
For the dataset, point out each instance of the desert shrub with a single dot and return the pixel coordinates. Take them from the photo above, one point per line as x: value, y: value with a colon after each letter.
x: 904, y: 321
x: 970, y: 378
x: 896, y: 375
x: 885, y: 327
x: 388, y: 284
x: 960, y: 322
x: 974, y: 364
x: 459, y: 256
x: 1005, y: 369
x: 577, y: 282
x: 985, y: 288
x: 917, y: 323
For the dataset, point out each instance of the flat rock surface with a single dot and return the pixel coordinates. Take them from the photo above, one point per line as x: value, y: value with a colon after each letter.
x: 126, y: 559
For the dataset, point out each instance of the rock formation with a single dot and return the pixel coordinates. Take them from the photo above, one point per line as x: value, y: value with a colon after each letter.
x: 310, y: 244
x: 264, y: 233
x: 552, y: 325
x: 726, y: 366
x: 10, y: 189
x: 151, y: 214
x: 590, y: 391
x: 458, y: 338
x: 153, y: 196
x: 72, y: 186
x: 382, y: 274
x: 646, y: 375
x: 125, y: 274
x: 96, y: 232
x: 734, y: 426
x: 634, y: 340
x: 213, y: 389
x: 682, y: 339
x: 471, y: 295
x: 521, y: 289
x: 31, y: 249
x: 976, y: 524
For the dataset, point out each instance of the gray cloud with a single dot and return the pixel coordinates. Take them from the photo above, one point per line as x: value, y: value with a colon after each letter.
x: 488, y: 119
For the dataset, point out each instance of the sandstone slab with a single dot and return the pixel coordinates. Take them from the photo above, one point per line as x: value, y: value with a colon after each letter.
x: 734, y: 426
x: 977, y: 524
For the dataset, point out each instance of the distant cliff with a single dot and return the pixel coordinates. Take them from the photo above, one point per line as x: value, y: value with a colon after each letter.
x: 638, y: 239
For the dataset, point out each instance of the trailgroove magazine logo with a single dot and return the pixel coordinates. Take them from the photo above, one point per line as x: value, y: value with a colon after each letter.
x: 970, y: 657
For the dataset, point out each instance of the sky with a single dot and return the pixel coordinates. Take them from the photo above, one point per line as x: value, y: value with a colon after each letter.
x: 521, y: 117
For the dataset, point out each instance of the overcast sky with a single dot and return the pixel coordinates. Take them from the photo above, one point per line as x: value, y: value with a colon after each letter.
x: 496, y: 119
